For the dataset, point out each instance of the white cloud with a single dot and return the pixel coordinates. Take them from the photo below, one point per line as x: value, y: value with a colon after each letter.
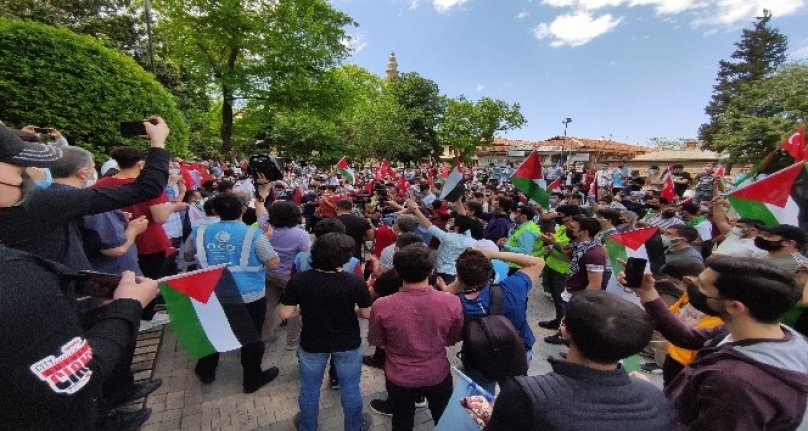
x: 355, y: 43
x: 479, y: 87
x: 800, y: 53
x: 575, y: 29
x: 612, y: 63
x: 522, y: 15
x: 447, y: 5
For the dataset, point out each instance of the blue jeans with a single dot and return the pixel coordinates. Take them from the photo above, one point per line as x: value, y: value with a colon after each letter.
x: 312, y: 370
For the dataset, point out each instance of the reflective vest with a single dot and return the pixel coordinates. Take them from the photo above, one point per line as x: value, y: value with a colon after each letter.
x: 233, y: 243
x: 556, y: 259
x: 513, y: 241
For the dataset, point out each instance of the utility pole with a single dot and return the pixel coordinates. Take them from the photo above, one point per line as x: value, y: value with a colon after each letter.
x: 149, y: 35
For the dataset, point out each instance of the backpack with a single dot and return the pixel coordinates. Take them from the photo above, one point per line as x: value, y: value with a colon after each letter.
x: 491, y: 344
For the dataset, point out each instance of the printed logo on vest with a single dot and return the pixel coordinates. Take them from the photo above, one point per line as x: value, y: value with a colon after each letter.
x: 68, y: 372
x: 222, y: 236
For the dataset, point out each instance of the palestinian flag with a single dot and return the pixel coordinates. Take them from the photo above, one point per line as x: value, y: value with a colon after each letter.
x: 454, y: 186
x: 644, y: 243
x: 529, y: 180
x: 555, y: 186
x: 780, y: 198
x: 345, y: 170
x: 207, y: 311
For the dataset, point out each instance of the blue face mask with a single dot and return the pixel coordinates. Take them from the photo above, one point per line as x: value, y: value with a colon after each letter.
x: 45, y: 182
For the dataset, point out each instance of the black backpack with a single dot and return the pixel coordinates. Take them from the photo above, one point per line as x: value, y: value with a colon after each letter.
x: 491, y: 345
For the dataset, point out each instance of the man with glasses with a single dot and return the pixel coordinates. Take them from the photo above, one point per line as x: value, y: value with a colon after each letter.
x: 750, y: 373
x: 677, y: 241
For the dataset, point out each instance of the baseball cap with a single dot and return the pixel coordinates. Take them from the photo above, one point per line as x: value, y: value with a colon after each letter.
x: 787, y: 231
x: 15, y: 151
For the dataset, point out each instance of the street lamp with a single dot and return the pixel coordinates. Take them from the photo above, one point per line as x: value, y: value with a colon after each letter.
x: 566, y: 123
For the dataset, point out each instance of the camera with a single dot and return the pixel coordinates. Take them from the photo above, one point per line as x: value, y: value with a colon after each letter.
x: 266, y: 165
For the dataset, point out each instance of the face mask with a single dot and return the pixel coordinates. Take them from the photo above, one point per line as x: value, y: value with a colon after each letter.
x: 666, y: 241
x: 91, y: 180
x: 737, y: 231
x: 699, y: 301
x: 768, y: 245
x: 513, y: 217
x: 45, y: 182
x: 669, y: 214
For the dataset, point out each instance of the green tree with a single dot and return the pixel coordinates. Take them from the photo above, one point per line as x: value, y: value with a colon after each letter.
x: 423, y: 107
x: 760, y: 51
x: 668, y: 144
x: 469, y: 125
x: 265, y: 50
x: 81, y: 87
x: 764, y: 112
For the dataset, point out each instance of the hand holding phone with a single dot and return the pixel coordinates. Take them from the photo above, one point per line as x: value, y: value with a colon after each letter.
x: 635, y: 269
x: 99, y: 284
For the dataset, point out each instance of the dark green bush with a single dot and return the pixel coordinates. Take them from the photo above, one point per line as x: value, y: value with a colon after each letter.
x: 53, y: 77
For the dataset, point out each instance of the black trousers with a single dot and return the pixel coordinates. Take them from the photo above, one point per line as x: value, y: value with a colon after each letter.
x: 402, y: 401
x: 153, y: 266
x: 670, y: 369
x: 251, y: 354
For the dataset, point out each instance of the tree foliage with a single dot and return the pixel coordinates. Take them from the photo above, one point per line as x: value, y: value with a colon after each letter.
x: 756, y: 121
x: 423, y: 107
x: 265, y: 50
x: 81, y: 87
x: 668, y: 144
x: 468, y: 125
x: 760, y: 51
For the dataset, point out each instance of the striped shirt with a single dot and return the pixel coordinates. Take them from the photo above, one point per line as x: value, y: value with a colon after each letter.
x: 664, y: 223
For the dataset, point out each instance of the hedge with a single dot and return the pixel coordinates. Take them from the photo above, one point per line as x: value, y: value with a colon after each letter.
x: 53, y: 77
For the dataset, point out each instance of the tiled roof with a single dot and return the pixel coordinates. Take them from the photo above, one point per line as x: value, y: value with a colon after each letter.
x: 679, y: 155
x: 571, y: 143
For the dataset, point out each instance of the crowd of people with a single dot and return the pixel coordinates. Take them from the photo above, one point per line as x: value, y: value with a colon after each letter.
x: 315, y: 252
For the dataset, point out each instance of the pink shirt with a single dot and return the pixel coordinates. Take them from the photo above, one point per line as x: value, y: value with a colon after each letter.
x: 415, y: 326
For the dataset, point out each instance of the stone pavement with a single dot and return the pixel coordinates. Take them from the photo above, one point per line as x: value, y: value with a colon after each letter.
x: 183, y: 403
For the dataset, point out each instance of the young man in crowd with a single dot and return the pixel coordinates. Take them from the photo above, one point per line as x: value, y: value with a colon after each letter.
x: 705, y: 184
x: 739, y: 238
x: 356, y: 227
x: 499, y: 223
x: 782, y: 244
x: 678, y: 241
x: 558, y: 261
x: 452, y: 243
x: 681, y: 179
x: 414, y: 326
x: 525, y: 238
x: 750, y: 373
x: 254, y: 256
x: 587, y: 265
x: 590, y: 390
x: 405, y: 223
x: 41, y: 325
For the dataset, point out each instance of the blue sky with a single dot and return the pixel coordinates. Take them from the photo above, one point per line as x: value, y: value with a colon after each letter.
x: 625, y: 69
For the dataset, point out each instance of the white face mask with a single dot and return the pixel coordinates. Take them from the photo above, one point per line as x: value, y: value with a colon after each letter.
x: 91, y: 179
x: 737, y: 231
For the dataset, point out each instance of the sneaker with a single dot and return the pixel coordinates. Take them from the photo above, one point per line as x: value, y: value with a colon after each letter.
x: 554, y: 339
x: 268, y: 376
x: 549, y: 324
x: 206, y: 379
x: 420, y: 403
x: 651, y: 367
x: 333, y: 384
x: 367, y: 421
x: 125, y: 420
x: 371, y: 361
x: 381, y: 407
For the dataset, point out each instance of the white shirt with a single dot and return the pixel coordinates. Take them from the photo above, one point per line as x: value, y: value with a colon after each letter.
x: 736, y: 246
x: 705, y: 229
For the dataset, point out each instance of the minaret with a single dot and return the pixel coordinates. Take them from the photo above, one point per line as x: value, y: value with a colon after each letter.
x: 392, y: 66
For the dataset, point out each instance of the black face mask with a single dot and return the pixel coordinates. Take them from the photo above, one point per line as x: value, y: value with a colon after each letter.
x: 653, y: 207
x: 699, y: 300
x: 669, y: 214
x: 768, y: 245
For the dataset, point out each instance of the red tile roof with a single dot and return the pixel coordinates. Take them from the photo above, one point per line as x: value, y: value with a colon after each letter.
x: 571, y: 143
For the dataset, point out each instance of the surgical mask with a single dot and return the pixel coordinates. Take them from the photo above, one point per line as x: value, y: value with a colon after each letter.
x: 737, y: 231
x: 768, y: 245
x: 666, y: 241
x: 513, y: 217
x: 91, y: 180
x: 45, y: 182
x: 699, y: 301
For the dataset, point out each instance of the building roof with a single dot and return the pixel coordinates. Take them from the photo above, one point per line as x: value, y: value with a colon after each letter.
x: 679, y: 156
x: 570, y: 143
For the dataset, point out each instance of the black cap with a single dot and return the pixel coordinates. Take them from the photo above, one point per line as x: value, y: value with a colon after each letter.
x: 787, y: 231
x: 15, y: 151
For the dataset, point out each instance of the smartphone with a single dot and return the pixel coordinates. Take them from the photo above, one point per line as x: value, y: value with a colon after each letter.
x: 635, y: 269
x: 43, y: 130
x: 133, y: 129
x: 99, y: 284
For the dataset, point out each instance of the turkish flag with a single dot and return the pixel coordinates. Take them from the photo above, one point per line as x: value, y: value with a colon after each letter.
x: 795, y: 145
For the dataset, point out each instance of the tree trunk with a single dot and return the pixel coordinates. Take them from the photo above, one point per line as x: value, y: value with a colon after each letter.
x: 227, y: 119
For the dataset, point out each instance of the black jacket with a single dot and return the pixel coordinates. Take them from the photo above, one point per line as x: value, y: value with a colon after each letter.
x: 52, y: 369
x: 47, y: 224
x: 574, y: 398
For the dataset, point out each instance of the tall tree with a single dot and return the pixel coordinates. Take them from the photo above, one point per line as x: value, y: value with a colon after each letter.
x: 423, y: 106
x: 470, y: 125
x: 761, y: 50
x: 765, y: 112
x: 254, y: 50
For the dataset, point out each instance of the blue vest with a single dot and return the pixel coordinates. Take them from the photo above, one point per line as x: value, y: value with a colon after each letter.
x: 233, y: 243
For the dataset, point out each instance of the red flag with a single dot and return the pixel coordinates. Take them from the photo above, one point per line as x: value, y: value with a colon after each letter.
x: 297, y: 195
x: 430, y: 176
x: 403, y: 185
x: 720, y: 172
x: 186, y: 176
x: 795, y: 145
x: 554, y: 186
x: 668, y: 190
x: 387, y: 171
